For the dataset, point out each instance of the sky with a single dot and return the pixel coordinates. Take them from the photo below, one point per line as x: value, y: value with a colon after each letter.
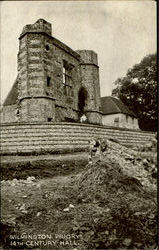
x: 120, y: 32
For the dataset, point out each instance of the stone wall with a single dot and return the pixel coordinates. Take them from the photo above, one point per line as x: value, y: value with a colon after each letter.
x: 23, y: 137
x: 35, y: 109
x: 9, y: 113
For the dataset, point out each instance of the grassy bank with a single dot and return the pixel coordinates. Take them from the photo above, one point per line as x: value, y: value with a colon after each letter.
x: 42, y: 166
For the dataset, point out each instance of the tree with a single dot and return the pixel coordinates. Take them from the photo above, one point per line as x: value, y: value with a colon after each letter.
x: 138, y: 90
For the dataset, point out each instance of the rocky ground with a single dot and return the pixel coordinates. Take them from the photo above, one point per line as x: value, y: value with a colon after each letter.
x: 110, y: 204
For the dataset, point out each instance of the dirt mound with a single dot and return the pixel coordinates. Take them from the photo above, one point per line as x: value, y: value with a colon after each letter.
x: 109, y: 176
x: 121, y: 159
x: 123, y: 194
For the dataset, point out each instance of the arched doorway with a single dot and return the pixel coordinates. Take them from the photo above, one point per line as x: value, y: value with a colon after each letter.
x: 82, y: 98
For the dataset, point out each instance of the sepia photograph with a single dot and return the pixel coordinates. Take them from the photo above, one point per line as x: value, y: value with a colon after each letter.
x: 78, y: 125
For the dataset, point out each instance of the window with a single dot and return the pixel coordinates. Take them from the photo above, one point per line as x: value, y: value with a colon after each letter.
x: 116, y: 119
x: 67, y: 78
x: 47, y: 47
x: 132, y: 120
x: 48, y: 81
x: 49, y: 119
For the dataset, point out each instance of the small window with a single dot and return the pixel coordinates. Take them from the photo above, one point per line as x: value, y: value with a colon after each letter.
x: 116, y: 119
x: 49, y: 119
x: 48, y: 81
x: 47, y: 47
x: 132, y: 120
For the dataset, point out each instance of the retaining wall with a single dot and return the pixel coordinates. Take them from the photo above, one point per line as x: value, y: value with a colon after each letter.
x: 29, y: 137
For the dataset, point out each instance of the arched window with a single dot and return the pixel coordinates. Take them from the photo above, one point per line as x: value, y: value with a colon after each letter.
x: 47, y: 47
x: 48, y: 81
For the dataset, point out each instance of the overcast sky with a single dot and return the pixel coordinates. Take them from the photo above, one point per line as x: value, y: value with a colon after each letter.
x: 121, y: 32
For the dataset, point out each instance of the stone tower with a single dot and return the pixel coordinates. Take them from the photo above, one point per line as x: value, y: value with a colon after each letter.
x: 90, y: 82
x: 54, y: 82
x: 34, y: 76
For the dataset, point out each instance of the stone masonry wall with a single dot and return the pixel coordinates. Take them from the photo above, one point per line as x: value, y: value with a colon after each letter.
x: 54, y: 59
x: 35, y: 109
x: 34, y: 137
x: 9, y: 113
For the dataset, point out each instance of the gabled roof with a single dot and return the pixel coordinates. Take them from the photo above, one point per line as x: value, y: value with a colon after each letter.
x: 12, y: 95
x: 112, y: 105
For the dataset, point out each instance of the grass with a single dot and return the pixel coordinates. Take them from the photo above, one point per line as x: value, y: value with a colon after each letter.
x: 42, y: 166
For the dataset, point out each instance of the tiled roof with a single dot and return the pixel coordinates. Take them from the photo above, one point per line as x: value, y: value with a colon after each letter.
x: 13, y: 94
x: 112, y: 105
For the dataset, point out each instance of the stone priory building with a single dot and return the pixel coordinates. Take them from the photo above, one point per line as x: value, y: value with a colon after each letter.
x: 54, y: 83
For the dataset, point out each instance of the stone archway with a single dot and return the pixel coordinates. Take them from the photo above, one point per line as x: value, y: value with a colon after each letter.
x: 82, y: 98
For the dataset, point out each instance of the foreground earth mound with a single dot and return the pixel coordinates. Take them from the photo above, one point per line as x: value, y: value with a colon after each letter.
x: 133, y: 163
x: 122, y: 184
